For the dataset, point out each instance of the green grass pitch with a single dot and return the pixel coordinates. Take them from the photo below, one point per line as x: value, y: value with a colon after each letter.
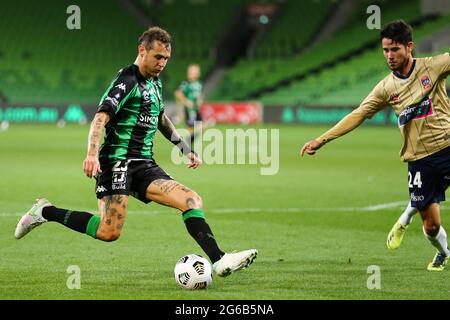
x: 318, y: 224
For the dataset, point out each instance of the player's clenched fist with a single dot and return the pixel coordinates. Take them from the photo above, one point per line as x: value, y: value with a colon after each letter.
x: 91, y: 166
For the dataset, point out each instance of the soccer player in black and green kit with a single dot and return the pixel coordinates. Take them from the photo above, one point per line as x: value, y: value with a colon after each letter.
x: 131, y: 111
x: 189, y: 94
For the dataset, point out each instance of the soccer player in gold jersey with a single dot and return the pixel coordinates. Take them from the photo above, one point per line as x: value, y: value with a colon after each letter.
x: 416, y: 91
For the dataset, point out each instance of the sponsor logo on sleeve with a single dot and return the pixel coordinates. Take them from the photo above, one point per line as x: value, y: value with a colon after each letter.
x: 113, y: 101
x: 121, y: 86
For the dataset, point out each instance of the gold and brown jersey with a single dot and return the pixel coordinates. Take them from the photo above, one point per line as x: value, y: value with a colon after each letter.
x: 420, y: 101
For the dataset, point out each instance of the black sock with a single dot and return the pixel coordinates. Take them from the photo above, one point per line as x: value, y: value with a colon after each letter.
x: 201, y: 232
x: 192, y: 137
x: 74, y: 220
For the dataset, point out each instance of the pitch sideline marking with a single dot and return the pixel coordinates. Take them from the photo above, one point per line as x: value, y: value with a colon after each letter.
x: 376, y: 207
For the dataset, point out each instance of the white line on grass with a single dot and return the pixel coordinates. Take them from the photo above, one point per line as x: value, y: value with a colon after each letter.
x: 376, y: 207
x: 383, y: 206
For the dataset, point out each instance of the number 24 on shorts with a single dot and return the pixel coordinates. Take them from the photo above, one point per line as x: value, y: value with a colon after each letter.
x: 417, y: 181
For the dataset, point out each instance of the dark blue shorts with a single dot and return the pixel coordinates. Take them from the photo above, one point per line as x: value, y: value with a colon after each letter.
x: 428, y: 178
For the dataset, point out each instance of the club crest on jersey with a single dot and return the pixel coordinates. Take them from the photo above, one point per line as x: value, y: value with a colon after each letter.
x: 416, y: 111
x: 426, y: 82
x: 146, y: 95
x: 394, y: 98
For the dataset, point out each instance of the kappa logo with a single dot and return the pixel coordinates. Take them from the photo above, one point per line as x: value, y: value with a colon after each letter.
x: 101, y: 189
x: 122, y: 87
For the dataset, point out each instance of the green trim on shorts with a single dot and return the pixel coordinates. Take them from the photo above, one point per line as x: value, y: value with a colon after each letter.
x: 193, y: 213
x: 92, y: 227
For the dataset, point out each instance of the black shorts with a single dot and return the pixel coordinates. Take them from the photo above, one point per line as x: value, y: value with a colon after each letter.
x: 428, y: 178
x: 191, y: 116
x: 129, y: 177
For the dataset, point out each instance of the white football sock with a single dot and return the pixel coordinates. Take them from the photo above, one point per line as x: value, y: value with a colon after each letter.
x: 439, y: 241
x: 407, y: 215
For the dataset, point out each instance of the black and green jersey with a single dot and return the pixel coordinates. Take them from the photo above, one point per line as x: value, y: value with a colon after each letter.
x: 134, y: 104
x: 192, y: 91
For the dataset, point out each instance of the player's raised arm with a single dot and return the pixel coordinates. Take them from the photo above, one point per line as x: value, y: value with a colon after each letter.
x: 374, y: 102
x: 441, y: 63
x: 170, y: 133
x: 347, y: 124
x: 91, y: 164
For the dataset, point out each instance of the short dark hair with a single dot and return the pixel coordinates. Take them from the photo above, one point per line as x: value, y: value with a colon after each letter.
x: 398, y: 31
x: 154, y: 34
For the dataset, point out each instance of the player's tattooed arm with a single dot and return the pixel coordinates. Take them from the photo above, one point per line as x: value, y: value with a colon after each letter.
x: 167, y: 128
x: 91, y: 164
x: 95, y: 132
x: 170, y: 133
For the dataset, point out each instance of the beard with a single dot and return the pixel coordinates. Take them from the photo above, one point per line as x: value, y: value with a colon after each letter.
x: 399, y: 66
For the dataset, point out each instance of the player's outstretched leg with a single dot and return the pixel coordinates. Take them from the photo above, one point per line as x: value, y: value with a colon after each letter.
x: 32, y: 218
x: 175, y: 195
x: 43, y: 211
x: 106, y: 227
x: 395, y: 236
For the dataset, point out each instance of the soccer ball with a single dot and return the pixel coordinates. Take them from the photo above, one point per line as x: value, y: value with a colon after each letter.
x: 193, y: 272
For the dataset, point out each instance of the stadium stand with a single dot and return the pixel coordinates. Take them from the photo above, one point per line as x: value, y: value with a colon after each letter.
x: 44, y: 62
x: 348, y: 82
x: 294, y: 27
x: 253, y: 78
x: 195, y: 26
